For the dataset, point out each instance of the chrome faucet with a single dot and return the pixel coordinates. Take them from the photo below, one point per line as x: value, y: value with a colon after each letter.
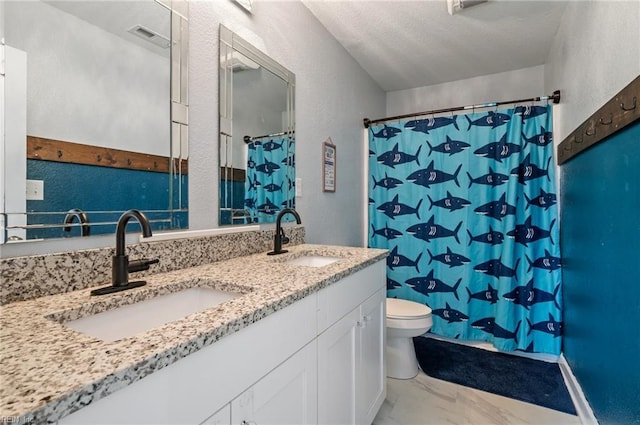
x: 279, y: 239
x: 82, y: 219
x: 121, y: 267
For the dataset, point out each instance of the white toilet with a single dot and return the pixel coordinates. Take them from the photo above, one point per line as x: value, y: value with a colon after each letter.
x: 405, y: 320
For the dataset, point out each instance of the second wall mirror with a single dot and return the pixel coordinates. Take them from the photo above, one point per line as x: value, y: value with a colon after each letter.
x: 95, y: 105
x: 257, y: 134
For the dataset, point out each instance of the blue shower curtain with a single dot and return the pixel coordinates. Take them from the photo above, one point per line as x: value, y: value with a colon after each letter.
x: 269, y: 187
x: 466, y: 205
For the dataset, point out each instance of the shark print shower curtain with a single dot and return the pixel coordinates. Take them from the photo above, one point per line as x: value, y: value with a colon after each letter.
x: 466, y: 206
x: 268, y: 186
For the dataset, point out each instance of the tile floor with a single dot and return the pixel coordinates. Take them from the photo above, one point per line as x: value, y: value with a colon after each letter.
x: 424, y: 400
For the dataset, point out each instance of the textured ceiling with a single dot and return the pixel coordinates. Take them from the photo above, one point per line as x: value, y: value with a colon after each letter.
x: 408, y: 44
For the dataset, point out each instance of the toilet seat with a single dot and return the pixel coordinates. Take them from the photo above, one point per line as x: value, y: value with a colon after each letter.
x: 406, y: 310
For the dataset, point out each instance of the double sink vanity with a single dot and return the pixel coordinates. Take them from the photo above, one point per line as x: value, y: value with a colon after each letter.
x: 294, y: 338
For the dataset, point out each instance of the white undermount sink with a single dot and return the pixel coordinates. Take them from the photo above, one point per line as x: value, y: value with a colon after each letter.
x: 132, y: 319
x: 312, y: 261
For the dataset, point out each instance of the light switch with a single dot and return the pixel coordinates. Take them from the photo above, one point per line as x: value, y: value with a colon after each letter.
x: 298, y: 187
x: 35, y: 190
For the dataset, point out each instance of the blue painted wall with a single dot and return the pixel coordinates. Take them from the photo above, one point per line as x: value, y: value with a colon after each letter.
x: 233, y: 189
x: 93, y: 188
x: 600, y: 240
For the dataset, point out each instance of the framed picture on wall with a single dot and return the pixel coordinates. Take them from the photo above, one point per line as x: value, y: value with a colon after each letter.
x: 328, y: 166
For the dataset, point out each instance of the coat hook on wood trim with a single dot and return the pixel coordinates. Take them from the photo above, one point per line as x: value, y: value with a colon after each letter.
x: 608, y: 122
x: 635, y: 99
x: 589, y: 134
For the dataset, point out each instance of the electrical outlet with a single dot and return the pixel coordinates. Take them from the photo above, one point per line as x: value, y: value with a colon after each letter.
x: 298, y: 187
x: 35, y: 190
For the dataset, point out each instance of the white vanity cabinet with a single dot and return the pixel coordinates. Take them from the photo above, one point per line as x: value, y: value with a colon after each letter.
x: 190, y: 390
x: 371, y: 388
x: 351, y: 371
x: 287, y: 395
x: 317, y: 361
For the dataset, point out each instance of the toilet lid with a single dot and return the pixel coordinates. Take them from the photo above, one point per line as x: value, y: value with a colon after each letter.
x: 404, y: 309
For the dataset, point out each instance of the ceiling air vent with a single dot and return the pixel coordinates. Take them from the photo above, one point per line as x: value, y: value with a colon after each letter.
x: 150, y: 36
x: 454, y: 6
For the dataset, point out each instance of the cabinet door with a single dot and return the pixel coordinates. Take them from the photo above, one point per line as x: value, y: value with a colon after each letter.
x: 371, y: 376
x: 337, y: 356
x: 287, y: 395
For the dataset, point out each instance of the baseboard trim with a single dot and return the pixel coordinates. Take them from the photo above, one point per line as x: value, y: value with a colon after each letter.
x: 583, y: 409
x: 575, y: 391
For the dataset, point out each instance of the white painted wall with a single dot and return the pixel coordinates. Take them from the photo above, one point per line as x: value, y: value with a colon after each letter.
x: 519, y: 84
x: 333, y: 94
x: 595, y: 54
x: 86, y: 85
x: 13, y: 146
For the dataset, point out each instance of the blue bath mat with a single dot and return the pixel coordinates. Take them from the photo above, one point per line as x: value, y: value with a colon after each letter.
x: 531, y: 381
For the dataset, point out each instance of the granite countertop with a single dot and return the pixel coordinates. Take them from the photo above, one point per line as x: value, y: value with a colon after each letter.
x: 48, y: 371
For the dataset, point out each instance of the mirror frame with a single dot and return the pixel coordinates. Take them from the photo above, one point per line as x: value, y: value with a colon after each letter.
x: 178, y: 112
x: 228, y: 43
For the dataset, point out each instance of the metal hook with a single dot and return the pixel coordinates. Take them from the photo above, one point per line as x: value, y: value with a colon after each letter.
x: 607, y: 123
x: 586, y: 131
x: 635, y: 99
x: 575, y: 139
x: 568, y: 145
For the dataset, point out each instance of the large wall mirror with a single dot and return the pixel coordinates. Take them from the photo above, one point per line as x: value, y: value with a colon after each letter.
x: 257, y: 134
x: 95, y: 116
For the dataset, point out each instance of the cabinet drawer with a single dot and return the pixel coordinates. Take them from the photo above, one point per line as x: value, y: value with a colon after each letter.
x: 335, y: 301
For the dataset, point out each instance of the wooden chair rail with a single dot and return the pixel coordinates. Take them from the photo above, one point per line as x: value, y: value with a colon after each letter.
x: 613, y: 116
x: 40, y: 148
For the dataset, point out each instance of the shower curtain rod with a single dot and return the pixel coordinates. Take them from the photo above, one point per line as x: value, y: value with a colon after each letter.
x: 249, y: 139
x: 555, y: 97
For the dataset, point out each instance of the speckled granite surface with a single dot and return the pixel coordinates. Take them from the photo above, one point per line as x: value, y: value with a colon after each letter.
x: 29, y: 277
x: 48, y: 371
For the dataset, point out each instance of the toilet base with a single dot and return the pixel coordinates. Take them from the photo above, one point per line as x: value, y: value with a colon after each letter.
x: 401, y: 358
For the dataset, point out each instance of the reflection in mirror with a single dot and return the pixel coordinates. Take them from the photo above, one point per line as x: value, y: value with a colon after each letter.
x: 88, y: 117
x: 257, y: 136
